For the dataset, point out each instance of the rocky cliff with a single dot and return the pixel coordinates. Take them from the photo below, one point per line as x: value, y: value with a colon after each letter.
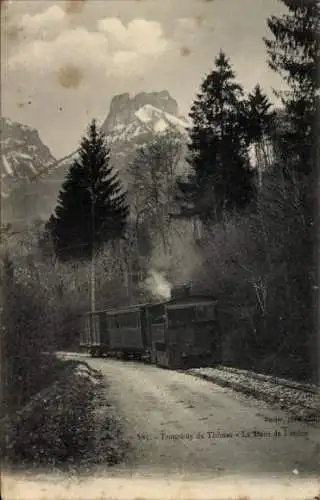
x: 32, y: 177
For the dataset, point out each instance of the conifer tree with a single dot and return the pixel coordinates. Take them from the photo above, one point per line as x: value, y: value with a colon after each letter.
x: 260, y: 116
x: 293, y: 50
x: 294, y: 54
x: 92, y: 207
x: 260, y: 120
x: 220, y: 179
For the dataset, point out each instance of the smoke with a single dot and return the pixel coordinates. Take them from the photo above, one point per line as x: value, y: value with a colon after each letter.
x: 157, y: 285
x: 174, y: 265
x: 182, y: 258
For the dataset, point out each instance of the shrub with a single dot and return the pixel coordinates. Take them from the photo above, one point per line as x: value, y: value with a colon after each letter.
x: 62, y: 426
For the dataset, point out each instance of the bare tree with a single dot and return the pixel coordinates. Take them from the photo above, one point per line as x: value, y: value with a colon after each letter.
x: 152, y: 173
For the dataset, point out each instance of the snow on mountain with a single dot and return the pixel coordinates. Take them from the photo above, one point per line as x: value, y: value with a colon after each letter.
x: 123, y: 107
x: 144, y: 114
x: 23, y: 154
x: 7, y: 167
x: 130, y: 124
x: 133, y: 122
x: 23, y: 158
x: 159, y: 120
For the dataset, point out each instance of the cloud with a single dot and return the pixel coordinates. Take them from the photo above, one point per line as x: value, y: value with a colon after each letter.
x: 113, y: 27
x: 113, y: 48
x: 124, y: 57
x: 77, y: 47
x: 141, y: 36
x: 43, y: 24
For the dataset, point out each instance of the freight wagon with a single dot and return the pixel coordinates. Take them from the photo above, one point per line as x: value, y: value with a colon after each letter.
x: 178, y: 333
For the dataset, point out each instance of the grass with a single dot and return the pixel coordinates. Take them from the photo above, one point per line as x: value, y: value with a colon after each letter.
x: 69, y: 423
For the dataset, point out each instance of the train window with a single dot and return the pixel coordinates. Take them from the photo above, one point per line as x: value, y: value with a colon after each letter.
x: 133, y: 320
x: 181, y: 316
x: 129, y: 320
x: 205, y: 313
x: 157, y: 315
x: 95, y: 325
x: 87, y: 325
x: 113, y: 323
x: 159, y: 319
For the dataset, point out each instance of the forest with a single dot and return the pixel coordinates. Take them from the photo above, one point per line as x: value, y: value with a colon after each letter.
x: 234, y: 212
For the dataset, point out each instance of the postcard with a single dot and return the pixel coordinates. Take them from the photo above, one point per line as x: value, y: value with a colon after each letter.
x: 159, y: 221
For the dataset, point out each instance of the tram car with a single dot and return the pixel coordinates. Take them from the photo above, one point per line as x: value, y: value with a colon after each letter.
x: 178, y: 333
x: 119, y: 332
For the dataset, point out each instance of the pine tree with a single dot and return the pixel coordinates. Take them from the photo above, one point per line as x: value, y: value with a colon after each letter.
x: 218, y: 150
x: 259, y: 115
x: 91, y: 206
x: 260, y: 120
x: 294, y: 54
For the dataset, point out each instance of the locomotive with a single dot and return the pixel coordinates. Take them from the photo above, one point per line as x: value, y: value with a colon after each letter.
x: 178, y: 333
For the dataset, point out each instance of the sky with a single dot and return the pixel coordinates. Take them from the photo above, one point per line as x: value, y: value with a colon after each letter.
x: 63, y: 61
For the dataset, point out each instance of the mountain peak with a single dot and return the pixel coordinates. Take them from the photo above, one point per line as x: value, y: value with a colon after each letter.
x: 123, y: 107
x: 160, y: 120
x: 23, y: 154
x: 24, y: 157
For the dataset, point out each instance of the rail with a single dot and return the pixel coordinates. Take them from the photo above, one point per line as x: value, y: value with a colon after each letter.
x: 301, y: 400
x: 311, y: 388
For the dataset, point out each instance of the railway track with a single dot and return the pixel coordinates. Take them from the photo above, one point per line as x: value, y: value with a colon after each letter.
x: 309, y: 388
x: 301, y: 400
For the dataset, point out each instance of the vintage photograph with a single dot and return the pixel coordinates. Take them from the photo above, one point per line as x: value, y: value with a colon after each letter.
x: 159, y: 250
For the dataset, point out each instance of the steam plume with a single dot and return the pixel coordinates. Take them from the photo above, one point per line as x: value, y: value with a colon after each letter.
x: 158, y: 285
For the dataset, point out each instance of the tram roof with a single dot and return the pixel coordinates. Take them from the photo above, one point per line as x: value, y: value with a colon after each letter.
x: 179, y: 302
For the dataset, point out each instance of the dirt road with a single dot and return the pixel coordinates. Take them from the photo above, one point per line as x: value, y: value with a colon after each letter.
x: 177, y: 423
x: 191, y: 440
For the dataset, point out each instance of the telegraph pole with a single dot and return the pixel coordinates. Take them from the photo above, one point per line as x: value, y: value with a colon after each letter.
x: 93, y: 256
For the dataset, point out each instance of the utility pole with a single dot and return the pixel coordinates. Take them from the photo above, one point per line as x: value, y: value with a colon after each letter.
x: 93, y: 280
x: 93, y: 256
